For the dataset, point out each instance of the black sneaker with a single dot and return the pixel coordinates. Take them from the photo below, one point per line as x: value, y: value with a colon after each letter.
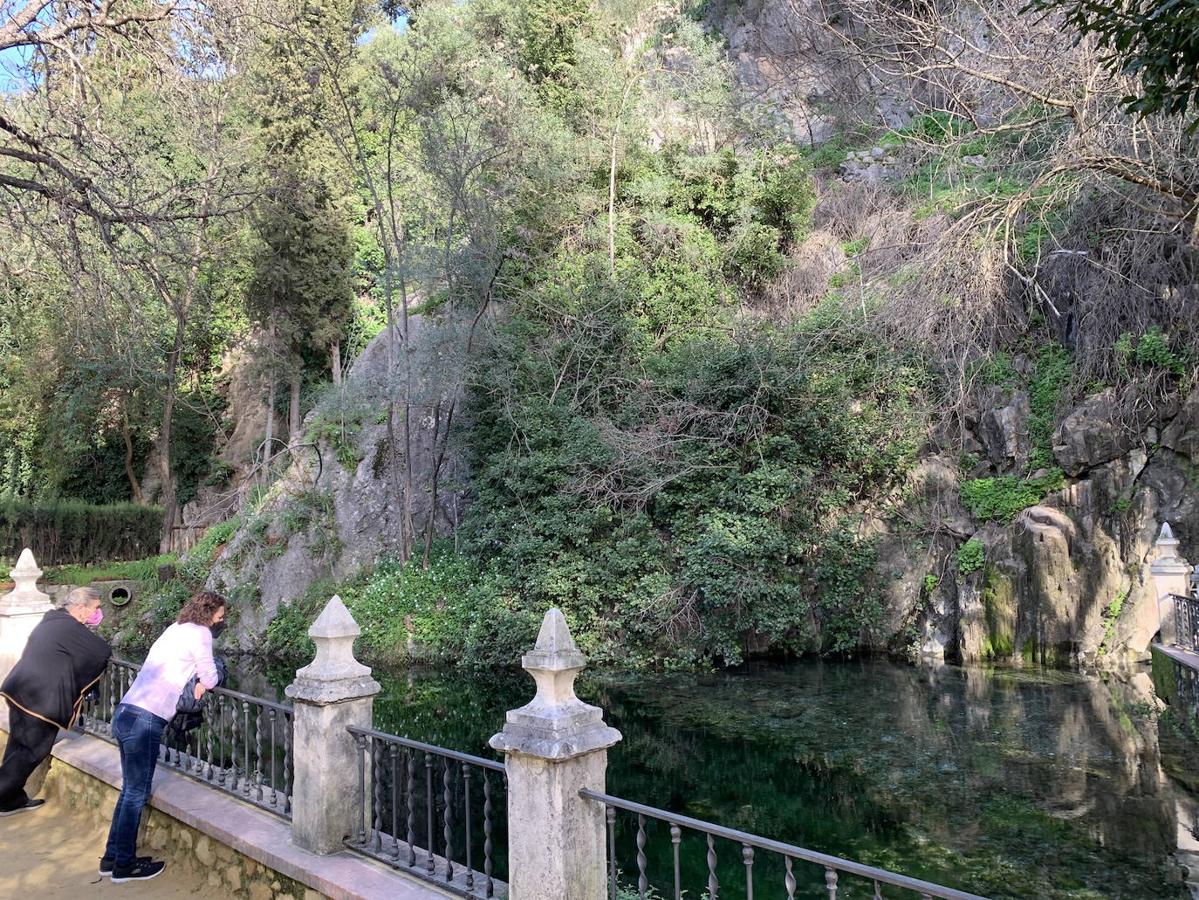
x: 29, y: 804
x: 106, y: 864
x: 142, y: 869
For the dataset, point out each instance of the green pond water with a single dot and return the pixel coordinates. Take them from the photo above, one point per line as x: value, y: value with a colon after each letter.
x: 1006, y: 783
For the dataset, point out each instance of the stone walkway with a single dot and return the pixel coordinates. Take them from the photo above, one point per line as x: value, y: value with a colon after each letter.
x: 53, y: 852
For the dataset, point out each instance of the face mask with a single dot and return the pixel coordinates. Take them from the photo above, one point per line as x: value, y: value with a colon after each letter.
x: 216, y: 628
x: 95, y: 618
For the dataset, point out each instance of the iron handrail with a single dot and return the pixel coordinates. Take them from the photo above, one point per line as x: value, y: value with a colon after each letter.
x: 415, y: 811
x: 788, y: 851
x: 428, y: 748
x: 244, y: 746
x: 1186, y: 621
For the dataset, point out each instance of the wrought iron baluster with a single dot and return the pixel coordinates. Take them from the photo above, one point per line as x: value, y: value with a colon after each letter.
x: 789, y: 878
x: 878, y: 892
x: 747, y: 857
x: 393, y: 753
x: 377, y: 782
x: 642, y: 881
x: 610, y: 815
x: 713, y: 881
x: 360, y: 741
x: 410, y: 806
x: 271, y: 717
x: 258, y: 750
x: 470, y: 872
x: 288, y: 737
x: 447, y: 780
x: 830, y: 882
x: 234, y: 736
x: 112, y: 694
x: 245, y: 737
x: 213, y: 713
x: 430, y: 866
x: 488, y: 885
x: 676, y: 838
x: 223, y: 742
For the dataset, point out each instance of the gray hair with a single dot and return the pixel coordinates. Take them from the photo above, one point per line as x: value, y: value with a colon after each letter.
x: 80, y: 596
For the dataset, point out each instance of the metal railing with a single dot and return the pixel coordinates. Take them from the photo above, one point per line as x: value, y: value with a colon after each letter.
x: 1186, y: 621
x: 747, y: 847
x: 432, y: 812
x: 243, y: 745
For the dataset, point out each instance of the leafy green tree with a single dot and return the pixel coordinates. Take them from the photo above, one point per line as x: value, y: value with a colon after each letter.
x: 301, y: 294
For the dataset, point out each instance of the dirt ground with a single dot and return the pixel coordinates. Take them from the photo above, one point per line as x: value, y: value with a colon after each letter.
x: 51, y: 852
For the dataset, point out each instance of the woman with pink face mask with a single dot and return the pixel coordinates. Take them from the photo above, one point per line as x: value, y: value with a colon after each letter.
x: 61, y: 662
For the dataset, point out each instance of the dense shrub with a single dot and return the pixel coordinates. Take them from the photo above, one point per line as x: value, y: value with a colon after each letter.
x: 700, y: 516
x: 1000, y: 499
x: 70, y: 531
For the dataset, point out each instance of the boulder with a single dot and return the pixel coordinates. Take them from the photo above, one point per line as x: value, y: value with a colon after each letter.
x: 1182, y: 433
x: 1101, y: 428
x: 1003, y: 432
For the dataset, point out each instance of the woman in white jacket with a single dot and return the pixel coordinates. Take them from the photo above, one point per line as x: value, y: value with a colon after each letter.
x: 183, y: 650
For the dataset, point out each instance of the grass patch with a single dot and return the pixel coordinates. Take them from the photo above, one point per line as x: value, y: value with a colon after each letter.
x: 134, y: 570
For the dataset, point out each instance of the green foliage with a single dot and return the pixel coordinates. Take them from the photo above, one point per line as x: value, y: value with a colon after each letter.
x: 70, y: 531
x: 707, y: 223
x: 1110, y: 615
x: 197, y: 562
x: 1000, y: 499
x: 1150, y: 350
x: 937, y: 128
x: 854, y: 247
x: 144, y: 570
x: 1054, y: 372
x: 449, y: 612
x: 727, y: 536
x: 550, y: 32
x: 997, y: 369
x: 971, y: 556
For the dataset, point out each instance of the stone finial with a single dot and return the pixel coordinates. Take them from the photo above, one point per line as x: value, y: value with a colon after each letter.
x: 25, y: 596
x: 334, y: 674
x: 556, y: 724
x: 1166, y: 542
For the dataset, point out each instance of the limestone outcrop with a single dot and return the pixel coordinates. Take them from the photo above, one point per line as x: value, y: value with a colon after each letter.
x: 337, y: 508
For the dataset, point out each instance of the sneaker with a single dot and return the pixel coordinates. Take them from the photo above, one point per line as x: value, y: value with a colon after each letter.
x: 29, y: 804
x: 142, y: 870
x: 106, y: 864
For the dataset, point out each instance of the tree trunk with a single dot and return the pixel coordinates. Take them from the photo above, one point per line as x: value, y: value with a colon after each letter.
x: 135, y: 487
x: 165, y: 435
x: 335, y: 358
x: 268, y: 446
x: 293, y: 412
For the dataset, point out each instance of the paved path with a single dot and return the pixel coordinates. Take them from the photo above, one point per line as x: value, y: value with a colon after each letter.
x: 52, y: 852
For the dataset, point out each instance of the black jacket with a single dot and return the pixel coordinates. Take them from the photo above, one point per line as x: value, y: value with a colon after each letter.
x: 61, y: 662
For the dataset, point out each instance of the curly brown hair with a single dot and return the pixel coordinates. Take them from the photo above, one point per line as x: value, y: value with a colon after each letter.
x: 200, y: 609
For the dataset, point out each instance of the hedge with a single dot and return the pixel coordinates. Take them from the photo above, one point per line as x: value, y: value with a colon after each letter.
x: 71, y: 531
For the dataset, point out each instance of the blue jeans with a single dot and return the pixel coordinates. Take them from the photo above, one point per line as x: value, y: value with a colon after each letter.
x: 138, y: 733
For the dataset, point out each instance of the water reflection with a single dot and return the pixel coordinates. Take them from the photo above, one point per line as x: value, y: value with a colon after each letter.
x: 1008, y: 783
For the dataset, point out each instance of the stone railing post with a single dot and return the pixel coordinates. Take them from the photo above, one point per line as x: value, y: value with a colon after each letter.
x: 1170, y: 574
x: 555, y: 746
x: 330, y: 693
x: 20, y: 610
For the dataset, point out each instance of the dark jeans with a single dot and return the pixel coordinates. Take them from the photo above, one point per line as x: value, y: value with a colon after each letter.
x: 29, y: 742
x: 138, y: 733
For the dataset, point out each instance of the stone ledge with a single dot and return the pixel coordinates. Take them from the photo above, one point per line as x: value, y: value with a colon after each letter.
x: 256, y: 834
